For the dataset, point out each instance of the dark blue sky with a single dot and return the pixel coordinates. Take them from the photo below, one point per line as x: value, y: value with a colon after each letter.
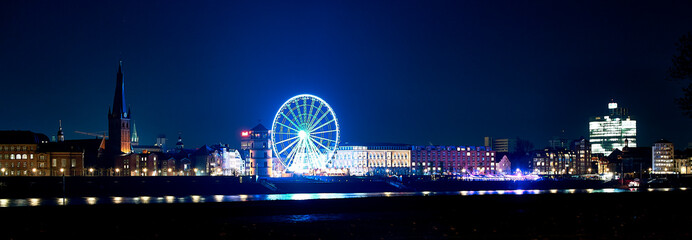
x: 410, y: 72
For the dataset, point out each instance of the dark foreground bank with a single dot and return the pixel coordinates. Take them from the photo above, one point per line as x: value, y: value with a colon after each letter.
x: 641, y: 215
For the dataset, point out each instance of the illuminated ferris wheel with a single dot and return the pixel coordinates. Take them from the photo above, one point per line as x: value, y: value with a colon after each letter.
x: 305, y: 133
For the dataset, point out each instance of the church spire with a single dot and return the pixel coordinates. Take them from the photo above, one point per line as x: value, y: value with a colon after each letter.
x: 119, y: 98
x: 61, y: 135
x: 135, y: 138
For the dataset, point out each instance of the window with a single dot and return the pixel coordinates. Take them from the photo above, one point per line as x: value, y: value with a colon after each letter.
x: 11, y: 156
x: 24, y: 156
x: 41, y: 165
x: 55, y: 162
x: 31, y: 156
x: 74, y: 163
x: 62, y: 162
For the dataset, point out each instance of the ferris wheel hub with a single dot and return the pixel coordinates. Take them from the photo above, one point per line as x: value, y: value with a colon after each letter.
x: 302, y: 134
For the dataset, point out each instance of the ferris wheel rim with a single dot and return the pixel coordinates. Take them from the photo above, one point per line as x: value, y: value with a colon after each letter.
x: 286, y: 105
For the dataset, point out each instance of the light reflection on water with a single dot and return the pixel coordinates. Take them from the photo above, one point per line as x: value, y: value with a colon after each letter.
x: 24, y: 202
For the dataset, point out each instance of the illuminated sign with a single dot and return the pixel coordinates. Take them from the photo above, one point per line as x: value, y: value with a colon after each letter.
x: 244, y: 133
x: 612, y: 105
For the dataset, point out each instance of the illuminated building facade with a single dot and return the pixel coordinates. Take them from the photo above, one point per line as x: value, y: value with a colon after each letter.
x: 260, y: 161
x: 142, y: 164
x: 610, y: 132
x: 581, y: 149
x: 24, y: 153
x: 504, y: 145
x: 504, y: 166
x: 552, y: 161
x: 372, y: 159
x: 662, y: 157
x: 452, y: 160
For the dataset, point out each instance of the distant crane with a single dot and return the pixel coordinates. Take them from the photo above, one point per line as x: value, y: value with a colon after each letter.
x: 102, y: 134
x: 103, y: 137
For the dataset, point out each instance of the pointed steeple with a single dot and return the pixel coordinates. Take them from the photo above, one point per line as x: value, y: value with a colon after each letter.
x: 61, y: 135
x: 135, y: 138
x: 119, y: 98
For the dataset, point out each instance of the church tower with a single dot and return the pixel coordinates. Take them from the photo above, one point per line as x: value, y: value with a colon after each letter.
x: 61, y: 135
x: 119, y: 119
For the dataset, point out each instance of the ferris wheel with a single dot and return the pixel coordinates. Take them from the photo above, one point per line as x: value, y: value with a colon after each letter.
x: 305, y: 133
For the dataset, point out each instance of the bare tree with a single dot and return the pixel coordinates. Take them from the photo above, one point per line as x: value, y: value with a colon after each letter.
x: 682, y: 70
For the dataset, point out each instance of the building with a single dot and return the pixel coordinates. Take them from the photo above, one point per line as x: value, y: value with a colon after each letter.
x: 504, y: 166
x: 452, y: 160
x: 610, y: 132
x: 19, y: 154
x: 24, y: 153
x: 663, y: 157
x: 552, y: 161
x: 630, y: 161
x: 559, y: 142
x: 372, y: 159
x: 138, y: 164
x: 583, y: 163
x: 505, y: 145
x: 260, y: 153
x: 119, y: 141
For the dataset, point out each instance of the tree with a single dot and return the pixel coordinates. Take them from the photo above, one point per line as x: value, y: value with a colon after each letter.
x: 682, y: 70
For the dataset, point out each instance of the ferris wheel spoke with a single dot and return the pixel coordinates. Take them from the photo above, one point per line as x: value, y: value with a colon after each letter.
x: 299, y: 117
x: 320, y: 144
x: 296, y: 117
x: 324, y: 124
x: 311, y: 127
x: 328, y: 131
x: 315, y: 158
x: 305, y: 110
x: 292, y: 153
x: 285, y: 140
x: 314, y: 115
x: 287, y: 147
x: 289, y: 120
x: 287, y: 133
x: 310, y: 113
x: 325, y: 139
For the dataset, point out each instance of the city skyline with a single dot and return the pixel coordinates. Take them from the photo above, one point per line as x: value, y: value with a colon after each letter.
x: 223, y: 85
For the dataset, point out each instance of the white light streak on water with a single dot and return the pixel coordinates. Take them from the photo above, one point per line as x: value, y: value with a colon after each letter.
x: 28, y: 202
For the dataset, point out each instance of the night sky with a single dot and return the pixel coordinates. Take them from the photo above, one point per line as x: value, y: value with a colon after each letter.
x: 446, y: 73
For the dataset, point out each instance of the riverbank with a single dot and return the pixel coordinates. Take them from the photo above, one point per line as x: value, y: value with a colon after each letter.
x: 640, y: 215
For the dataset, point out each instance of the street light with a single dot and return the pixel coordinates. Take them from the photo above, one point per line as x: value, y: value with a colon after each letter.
x: 117, y: 171
x: 33, y: 170
x: 91, y: 171
x: 62, y: 170
x: 3, y: 171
